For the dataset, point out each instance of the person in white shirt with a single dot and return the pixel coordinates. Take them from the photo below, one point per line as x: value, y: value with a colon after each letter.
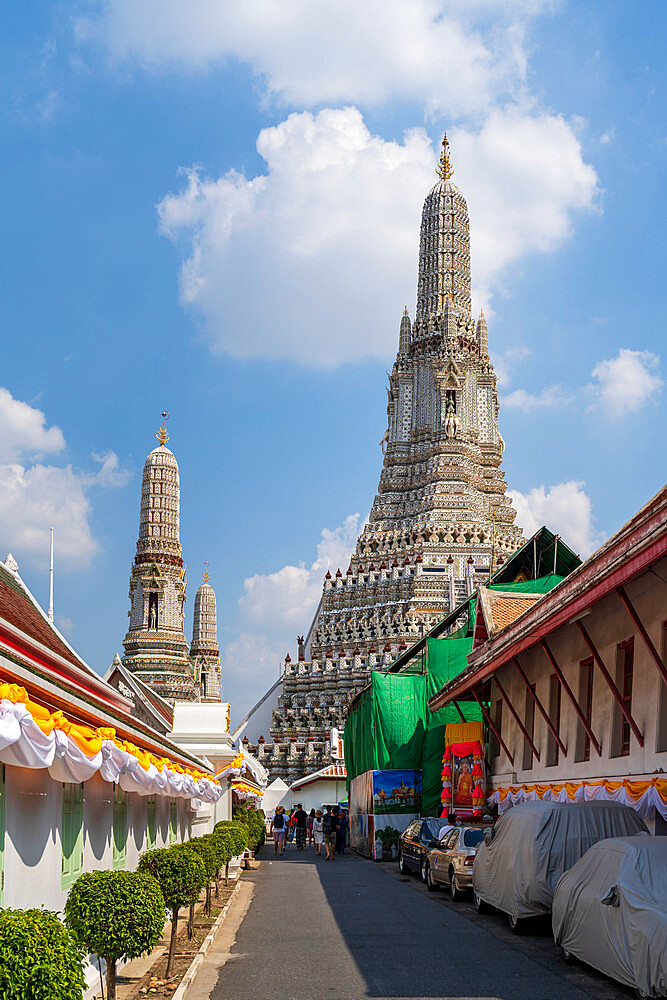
x: 317, y: 831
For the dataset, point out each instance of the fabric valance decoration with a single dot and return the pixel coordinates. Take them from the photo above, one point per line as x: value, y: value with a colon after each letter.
x: 234, y: 769
x: 644, y: 796
x: 31, y: 736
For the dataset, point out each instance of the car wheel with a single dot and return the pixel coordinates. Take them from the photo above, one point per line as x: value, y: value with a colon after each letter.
x: 430, y: 884
x: 454, y: 891
x: 515, y: 924
x: 401, y: 863
x: 567, y: 955
x: 479, y: 904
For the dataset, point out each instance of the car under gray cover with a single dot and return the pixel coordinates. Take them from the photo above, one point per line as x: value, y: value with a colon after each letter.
x: 610, y: 910
x: 535, y: 842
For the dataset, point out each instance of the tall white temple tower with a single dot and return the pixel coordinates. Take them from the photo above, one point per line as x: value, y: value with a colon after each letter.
x: 441, y: 520
x: 204, y: 651
x: 155, y: 645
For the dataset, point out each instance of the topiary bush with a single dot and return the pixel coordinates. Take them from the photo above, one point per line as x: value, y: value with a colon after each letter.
x: 117, y: 915
x: 39, y: 957
x: 209, y: 855
x: 181, y: 875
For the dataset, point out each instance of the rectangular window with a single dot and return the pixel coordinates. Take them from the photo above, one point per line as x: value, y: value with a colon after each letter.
x: 151, y: 823
x: 498, y: 723
x: 661, y: 745
x: 529, y: 724
x: 627, y: 663
x: 173, y: 820
x: 71, y: 834
x: 620, y: 729
x: 554, y: 715
x: 119, y: 827
x: 583, y: 744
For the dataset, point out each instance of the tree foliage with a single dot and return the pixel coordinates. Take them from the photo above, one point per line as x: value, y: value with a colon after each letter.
x: 39, y: 957
x: 238, y: 835
x: 254, y: 821
x: 181, y: 874
x: 178, y: 870
x: 116, y: 914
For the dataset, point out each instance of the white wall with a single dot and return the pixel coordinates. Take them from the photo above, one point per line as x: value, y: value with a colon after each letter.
x: 318, y: 793
x: 258, y: 720
x: 608, y: 624
x: 33, y: 815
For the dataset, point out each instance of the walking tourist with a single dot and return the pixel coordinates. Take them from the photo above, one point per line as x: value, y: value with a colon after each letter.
x: 279, y: 830
x: 311, y: 819
x: 291, y: 826
x: 341, y: 833
x: 300, y: 826
x: 329, y: 831
x: 318, y: 835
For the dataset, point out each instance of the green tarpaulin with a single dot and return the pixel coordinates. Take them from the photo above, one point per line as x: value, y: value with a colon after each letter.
x: 390, y: 726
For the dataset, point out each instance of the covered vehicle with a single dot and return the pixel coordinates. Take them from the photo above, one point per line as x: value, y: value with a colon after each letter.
x: 534, y: 843
x: 610, y: 910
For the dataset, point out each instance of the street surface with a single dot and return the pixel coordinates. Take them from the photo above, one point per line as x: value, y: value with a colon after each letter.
x: 351, y: 929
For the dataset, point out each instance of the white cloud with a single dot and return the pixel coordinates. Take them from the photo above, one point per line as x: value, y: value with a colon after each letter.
x: 35, y: 497
x: 565, y: 509
x: 315, y: 259
x: 626, y: 383
x: 278, y: 606
x: 608, y: 137
x: 444, y: 54
x: 24, y: 430
x: 548, y: 399
x: 504, y: 362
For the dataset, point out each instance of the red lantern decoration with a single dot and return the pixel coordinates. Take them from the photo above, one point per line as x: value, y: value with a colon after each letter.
x: 477, y: 794
x: 446, y: 794
x: 447, y: 757
x: 446, y: 772
x: 477, y: 771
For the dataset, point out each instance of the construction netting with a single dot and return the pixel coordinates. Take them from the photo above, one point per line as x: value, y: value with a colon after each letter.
x: 390, y: 727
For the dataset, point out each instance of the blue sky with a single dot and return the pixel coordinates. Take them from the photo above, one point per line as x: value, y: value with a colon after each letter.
x: 214, y: 209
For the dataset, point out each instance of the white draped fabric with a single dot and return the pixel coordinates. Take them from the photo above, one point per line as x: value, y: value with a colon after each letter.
x: 24, y: 744
x: 648, y: 801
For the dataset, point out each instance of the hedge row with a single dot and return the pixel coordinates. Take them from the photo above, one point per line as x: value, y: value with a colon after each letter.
x: 114, y: 914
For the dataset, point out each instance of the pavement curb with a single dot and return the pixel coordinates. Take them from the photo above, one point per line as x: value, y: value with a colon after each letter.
x: 186, y: 981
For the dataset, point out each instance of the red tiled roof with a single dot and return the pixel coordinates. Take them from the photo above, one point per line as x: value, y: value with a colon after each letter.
x: 19, y: 611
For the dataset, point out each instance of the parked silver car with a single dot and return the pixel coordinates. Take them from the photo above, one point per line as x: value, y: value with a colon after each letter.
x: 450, y: 863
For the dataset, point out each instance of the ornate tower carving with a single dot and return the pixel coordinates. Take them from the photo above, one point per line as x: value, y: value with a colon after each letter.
x: 204, y: 651
x: 155, y: 645
x: 441, y: 516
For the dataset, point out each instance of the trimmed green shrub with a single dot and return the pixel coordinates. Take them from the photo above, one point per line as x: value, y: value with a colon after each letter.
x: 208, y: 852
x: 39, y: 957
x: 117, y: 915
x: 181, y: 875
x: 254, y: 822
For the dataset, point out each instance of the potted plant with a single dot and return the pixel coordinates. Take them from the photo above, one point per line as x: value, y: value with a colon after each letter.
x: 388, y: 837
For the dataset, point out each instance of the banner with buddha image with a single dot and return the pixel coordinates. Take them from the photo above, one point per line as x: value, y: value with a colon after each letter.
x: 463, y: 778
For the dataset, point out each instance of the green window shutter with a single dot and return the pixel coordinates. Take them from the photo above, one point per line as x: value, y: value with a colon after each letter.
x: 151, y: 823
x: 2, y: 834
x: 71, y: 834
x: 119, y: 827
x: 173, y: 820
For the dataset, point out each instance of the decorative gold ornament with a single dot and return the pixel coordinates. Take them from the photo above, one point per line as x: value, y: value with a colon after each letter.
x: 444, y: 169
x: 162, y: 434
x: 205, y: 576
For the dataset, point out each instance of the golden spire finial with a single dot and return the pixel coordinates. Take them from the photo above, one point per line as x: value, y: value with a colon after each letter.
x: 162, y: 435
x: 444, y: 169
x: 205, y: 577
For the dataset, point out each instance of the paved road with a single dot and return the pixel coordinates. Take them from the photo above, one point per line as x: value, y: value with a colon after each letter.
x: 353, y: 929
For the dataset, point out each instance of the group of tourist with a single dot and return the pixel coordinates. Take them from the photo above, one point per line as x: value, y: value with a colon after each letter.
x: 328, y: 828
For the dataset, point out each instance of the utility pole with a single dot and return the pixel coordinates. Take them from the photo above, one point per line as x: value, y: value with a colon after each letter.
x: 51, y: 580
